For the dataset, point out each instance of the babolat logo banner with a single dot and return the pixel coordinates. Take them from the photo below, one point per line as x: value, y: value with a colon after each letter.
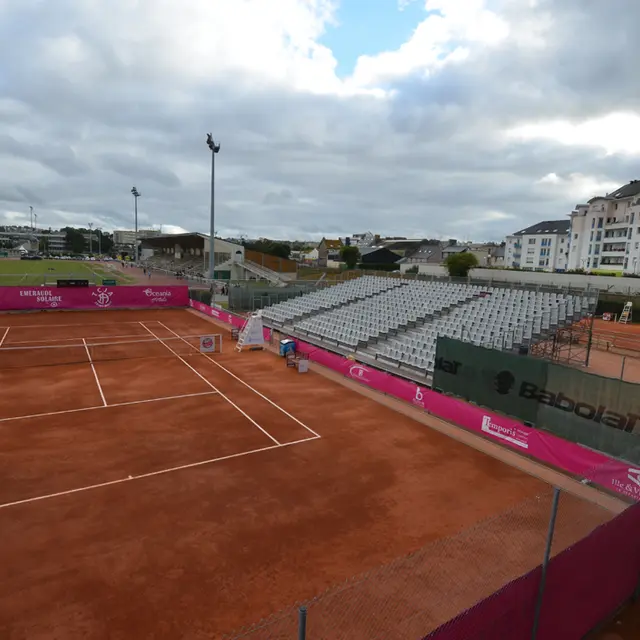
x: 603, y: 413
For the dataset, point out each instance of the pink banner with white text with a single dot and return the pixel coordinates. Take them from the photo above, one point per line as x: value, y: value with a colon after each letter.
x: 607, y: 472
x: 103, y: 297
x: 224, y: 316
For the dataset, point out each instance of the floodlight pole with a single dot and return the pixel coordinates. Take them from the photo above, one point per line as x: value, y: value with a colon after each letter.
x: 214, y: 148
x: 31, y: 217
x: 91, y: 238
x: 136, y: 195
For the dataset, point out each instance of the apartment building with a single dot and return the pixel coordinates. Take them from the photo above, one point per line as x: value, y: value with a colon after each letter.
x: 605, y: 232
x: 541, y: 247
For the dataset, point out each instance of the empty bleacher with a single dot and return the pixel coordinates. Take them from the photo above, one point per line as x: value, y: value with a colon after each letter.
x: 325, y: 299
x: 378, y: 317
x: 501, y: 319
x: 397, y: 322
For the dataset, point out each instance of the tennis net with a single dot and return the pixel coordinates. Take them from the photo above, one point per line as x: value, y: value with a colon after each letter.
x: 18, y: 357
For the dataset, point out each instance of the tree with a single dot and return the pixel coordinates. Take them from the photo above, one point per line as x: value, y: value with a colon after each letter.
x: 74, y: 240
x: 105, y: 242
x: 459, y: 264
x: 350, y: 255
x: 264, y: 245
x: 43, y: 244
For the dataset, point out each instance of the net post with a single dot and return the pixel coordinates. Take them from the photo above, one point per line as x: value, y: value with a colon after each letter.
x: 302, y: 623
x: 545, y: 562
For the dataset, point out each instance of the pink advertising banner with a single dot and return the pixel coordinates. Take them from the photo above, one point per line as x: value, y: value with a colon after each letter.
x: 224, y: 316
x: 585, y: 463
x: 104, y: 297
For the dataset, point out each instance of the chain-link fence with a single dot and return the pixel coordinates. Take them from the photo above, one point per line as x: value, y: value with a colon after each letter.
x: 415, y: 595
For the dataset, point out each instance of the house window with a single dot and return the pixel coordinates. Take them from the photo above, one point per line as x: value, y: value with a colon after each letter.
x: 575, y: 235
x: 597, y: 249
x: 541, y: 263
x: 591, y: 237
x: 562, y: 240
x: 588, y: 262
x: 590, y: 249
x: 595, y: 262
x: 593, y: 224
x: 633, y: 215
x: 598, y: 236
x: 532, y: 240
x: 600, y: 220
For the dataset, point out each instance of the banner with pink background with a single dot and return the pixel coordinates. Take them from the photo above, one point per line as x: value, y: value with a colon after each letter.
x: 103, y: 297
x: 598, y: 468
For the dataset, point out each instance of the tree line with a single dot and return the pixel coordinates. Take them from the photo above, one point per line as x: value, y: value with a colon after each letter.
x: 75, y: 241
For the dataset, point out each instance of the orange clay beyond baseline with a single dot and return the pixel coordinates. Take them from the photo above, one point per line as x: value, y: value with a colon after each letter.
x: 160, y: 493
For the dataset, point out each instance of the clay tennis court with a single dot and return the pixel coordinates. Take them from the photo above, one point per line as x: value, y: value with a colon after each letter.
x: 151, y: 491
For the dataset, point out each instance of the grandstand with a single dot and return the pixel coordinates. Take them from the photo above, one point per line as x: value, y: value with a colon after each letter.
x: 397, y: 322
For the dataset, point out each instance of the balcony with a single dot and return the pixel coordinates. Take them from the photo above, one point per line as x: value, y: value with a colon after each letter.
x: 618, y: 224
x: 610, y: 239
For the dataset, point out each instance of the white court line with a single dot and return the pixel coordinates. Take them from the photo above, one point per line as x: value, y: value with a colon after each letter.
x: 286, y: 413
x: 4, y: 337
x: 108, y: 406
x: 233, y: 404
x: 77, y: 324
x: 95, y: 373
x: 140, y: 476
x: 35, y: 343
x: 141, y: 337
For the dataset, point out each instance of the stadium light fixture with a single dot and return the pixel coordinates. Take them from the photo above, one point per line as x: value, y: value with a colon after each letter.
x: 90, y: 238
x: 136, y: 195
x: 214, y: 148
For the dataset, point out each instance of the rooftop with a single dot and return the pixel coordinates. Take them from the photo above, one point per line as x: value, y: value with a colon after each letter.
x: 558, y: 227
x: 627, y: 191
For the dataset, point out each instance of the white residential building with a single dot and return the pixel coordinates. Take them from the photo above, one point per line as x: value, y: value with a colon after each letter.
x: 605, y: 232
x: 541, y: 247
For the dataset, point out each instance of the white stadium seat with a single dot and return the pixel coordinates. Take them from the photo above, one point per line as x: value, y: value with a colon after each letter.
x: 398, y: 321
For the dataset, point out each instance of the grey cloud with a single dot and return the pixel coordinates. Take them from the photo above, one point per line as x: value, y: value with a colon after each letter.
x: 431, y: 162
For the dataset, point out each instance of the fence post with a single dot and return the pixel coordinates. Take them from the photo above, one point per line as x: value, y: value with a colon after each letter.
x: 545, y: 562
x: 624, y: 359
x: 302, y: 623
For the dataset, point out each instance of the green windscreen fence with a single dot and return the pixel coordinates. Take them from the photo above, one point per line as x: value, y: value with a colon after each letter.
x: 597, y: 412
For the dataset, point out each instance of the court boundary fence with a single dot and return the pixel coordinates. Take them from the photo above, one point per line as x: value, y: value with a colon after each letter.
x: 588, y: 567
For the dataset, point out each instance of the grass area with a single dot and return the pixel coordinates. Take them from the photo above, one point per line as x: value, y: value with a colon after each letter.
x: 35, y: 272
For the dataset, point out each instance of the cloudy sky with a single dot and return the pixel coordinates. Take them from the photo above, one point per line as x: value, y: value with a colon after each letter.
x: 444, y: 118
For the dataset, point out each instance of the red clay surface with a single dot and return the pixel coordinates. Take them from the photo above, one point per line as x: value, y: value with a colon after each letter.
x: 186, y: 517
x: 614, y: 336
